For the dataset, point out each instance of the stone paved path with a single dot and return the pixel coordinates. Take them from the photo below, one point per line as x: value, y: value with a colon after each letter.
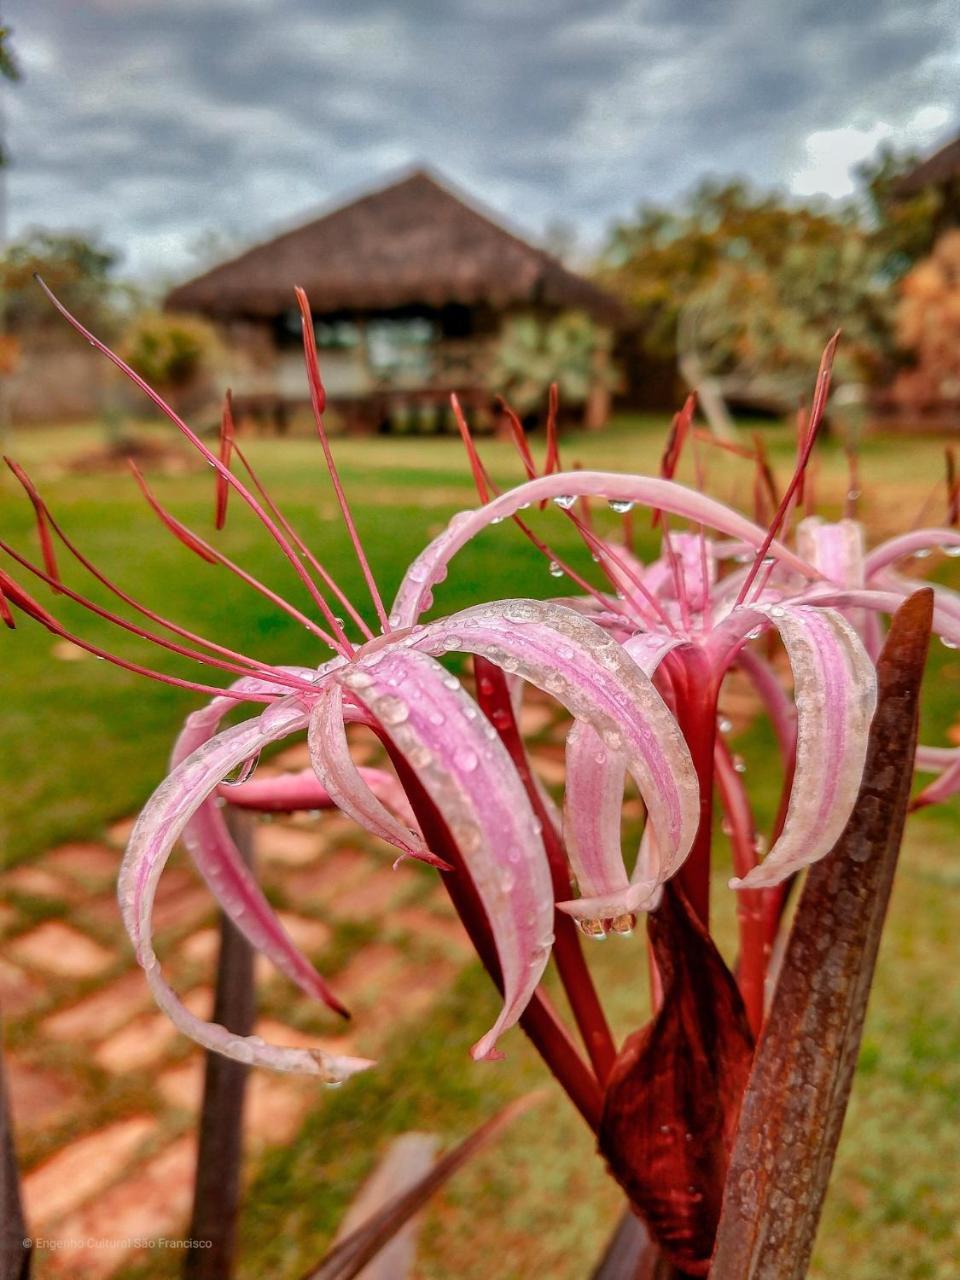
x: 105, y: 1092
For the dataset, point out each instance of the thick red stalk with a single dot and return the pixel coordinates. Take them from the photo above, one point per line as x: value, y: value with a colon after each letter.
x: 697, y: 716
x: 754, y: 948
x: 494, y: 699
x: 539, y: 1020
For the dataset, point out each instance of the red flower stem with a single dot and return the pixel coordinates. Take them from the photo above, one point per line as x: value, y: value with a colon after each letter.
x: 751, y: 917
x: 697, y: 716
x: 539, y: 1021
x: 494, y: 699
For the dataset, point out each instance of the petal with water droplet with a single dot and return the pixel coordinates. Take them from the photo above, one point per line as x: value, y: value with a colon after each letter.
x: 835, y: 692
x: 593, y: 800
x: 156, y: 832
x: 482, y: 801
x: 215, y: 855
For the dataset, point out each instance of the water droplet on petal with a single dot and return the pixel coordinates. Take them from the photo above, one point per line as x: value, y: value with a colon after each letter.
x: 391, y: 710
x: 953, y: 550
x: 624, y: 925
x: 621, y: 505
x: 555, y: 570
x: 565, y: 500
x: 739, y: 764
x: 243, y: 771
x: 466, y: 759
x: 922, y: 554
x: 592, y: 929
x: 948, y: 643
x: 724, y: 724
x: 452, y: 642
x: 358, y: 679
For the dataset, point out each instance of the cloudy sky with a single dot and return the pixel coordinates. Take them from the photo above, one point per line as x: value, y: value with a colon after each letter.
x: 164, y: 123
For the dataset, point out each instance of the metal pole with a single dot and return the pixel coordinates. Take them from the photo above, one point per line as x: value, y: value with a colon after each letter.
x: 220, y: 1149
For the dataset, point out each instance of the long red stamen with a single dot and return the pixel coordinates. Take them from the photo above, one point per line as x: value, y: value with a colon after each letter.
x: 816, y: 418
x: 217, y: 557
x: 318, y: 397
x: 43, y: 531
x: 226, y: 447
x: 480, y: 477
x: 268, y: 674
x: 5, y: 612
x: 133, y: 603
x: 26, y: 603
x: 228, y: 477
x: 318, y: 568
x: 953, y: 487
x: 551, y: 462
x: 676, y: 437
x: 519, y: 437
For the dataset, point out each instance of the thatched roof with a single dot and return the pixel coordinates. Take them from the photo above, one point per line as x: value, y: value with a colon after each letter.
x: 940, y: 168
x: 409, y: 244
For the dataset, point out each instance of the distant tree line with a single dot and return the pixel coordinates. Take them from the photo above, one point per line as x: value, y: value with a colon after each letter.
x: 757, y: 282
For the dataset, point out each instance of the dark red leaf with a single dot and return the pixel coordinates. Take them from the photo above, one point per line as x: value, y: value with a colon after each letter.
x: 794, y: 1106
x: 671, y: 1105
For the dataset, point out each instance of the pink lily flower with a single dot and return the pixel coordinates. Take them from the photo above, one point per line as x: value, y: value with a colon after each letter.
x: 638, y: 667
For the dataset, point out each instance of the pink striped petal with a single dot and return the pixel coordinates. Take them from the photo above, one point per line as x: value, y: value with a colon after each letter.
x: 575, y: 661
x: 157, y: 830
x: 835, y: 549
x: 835, y: 691
x: 430, y: 566
x: 208, y: 841
x: 593, y: 801
x: 468, y: 774
x: 351, y: 792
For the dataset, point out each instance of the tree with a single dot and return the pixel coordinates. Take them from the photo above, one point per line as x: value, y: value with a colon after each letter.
x: 77, y: 268
x: 903, y: 228
x: 9, y: 70
x: 659, y: 261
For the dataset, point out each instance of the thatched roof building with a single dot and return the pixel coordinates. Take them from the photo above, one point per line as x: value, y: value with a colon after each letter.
x: 413, y: 243
x: 938, y: 170
x: 411, y: 286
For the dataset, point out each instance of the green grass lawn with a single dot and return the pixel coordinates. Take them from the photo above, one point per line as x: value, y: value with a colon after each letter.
x: 85, y: 743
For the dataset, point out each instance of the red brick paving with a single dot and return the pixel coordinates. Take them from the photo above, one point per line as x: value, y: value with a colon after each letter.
x: 38, y: 1097
x: 85, y: 861
x: 104, y: 1011
x: 67, y: 1179
x: 154, y: 1202
x: 59, y: 948
x: 18, y: 992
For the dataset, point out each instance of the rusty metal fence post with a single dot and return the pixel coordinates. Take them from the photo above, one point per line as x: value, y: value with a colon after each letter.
x: 220, y: 1149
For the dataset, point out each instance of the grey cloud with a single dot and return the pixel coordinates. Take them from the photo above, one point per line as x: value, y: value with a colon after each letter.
x: 159, y: 120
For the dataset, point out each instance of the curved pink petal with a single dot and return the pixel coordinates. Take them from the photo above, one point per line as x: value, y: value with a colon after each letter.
x: 430, y: 566
x: 207, y: 839
x: 593, y: 800
x: 596, y: 679
x: 350, y: 791
x: 835, y: 691
x: 157, y: 830
x: 468, y: 774
x: 947, y: 784
x: 909, y: 544
x: 303, y: 791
